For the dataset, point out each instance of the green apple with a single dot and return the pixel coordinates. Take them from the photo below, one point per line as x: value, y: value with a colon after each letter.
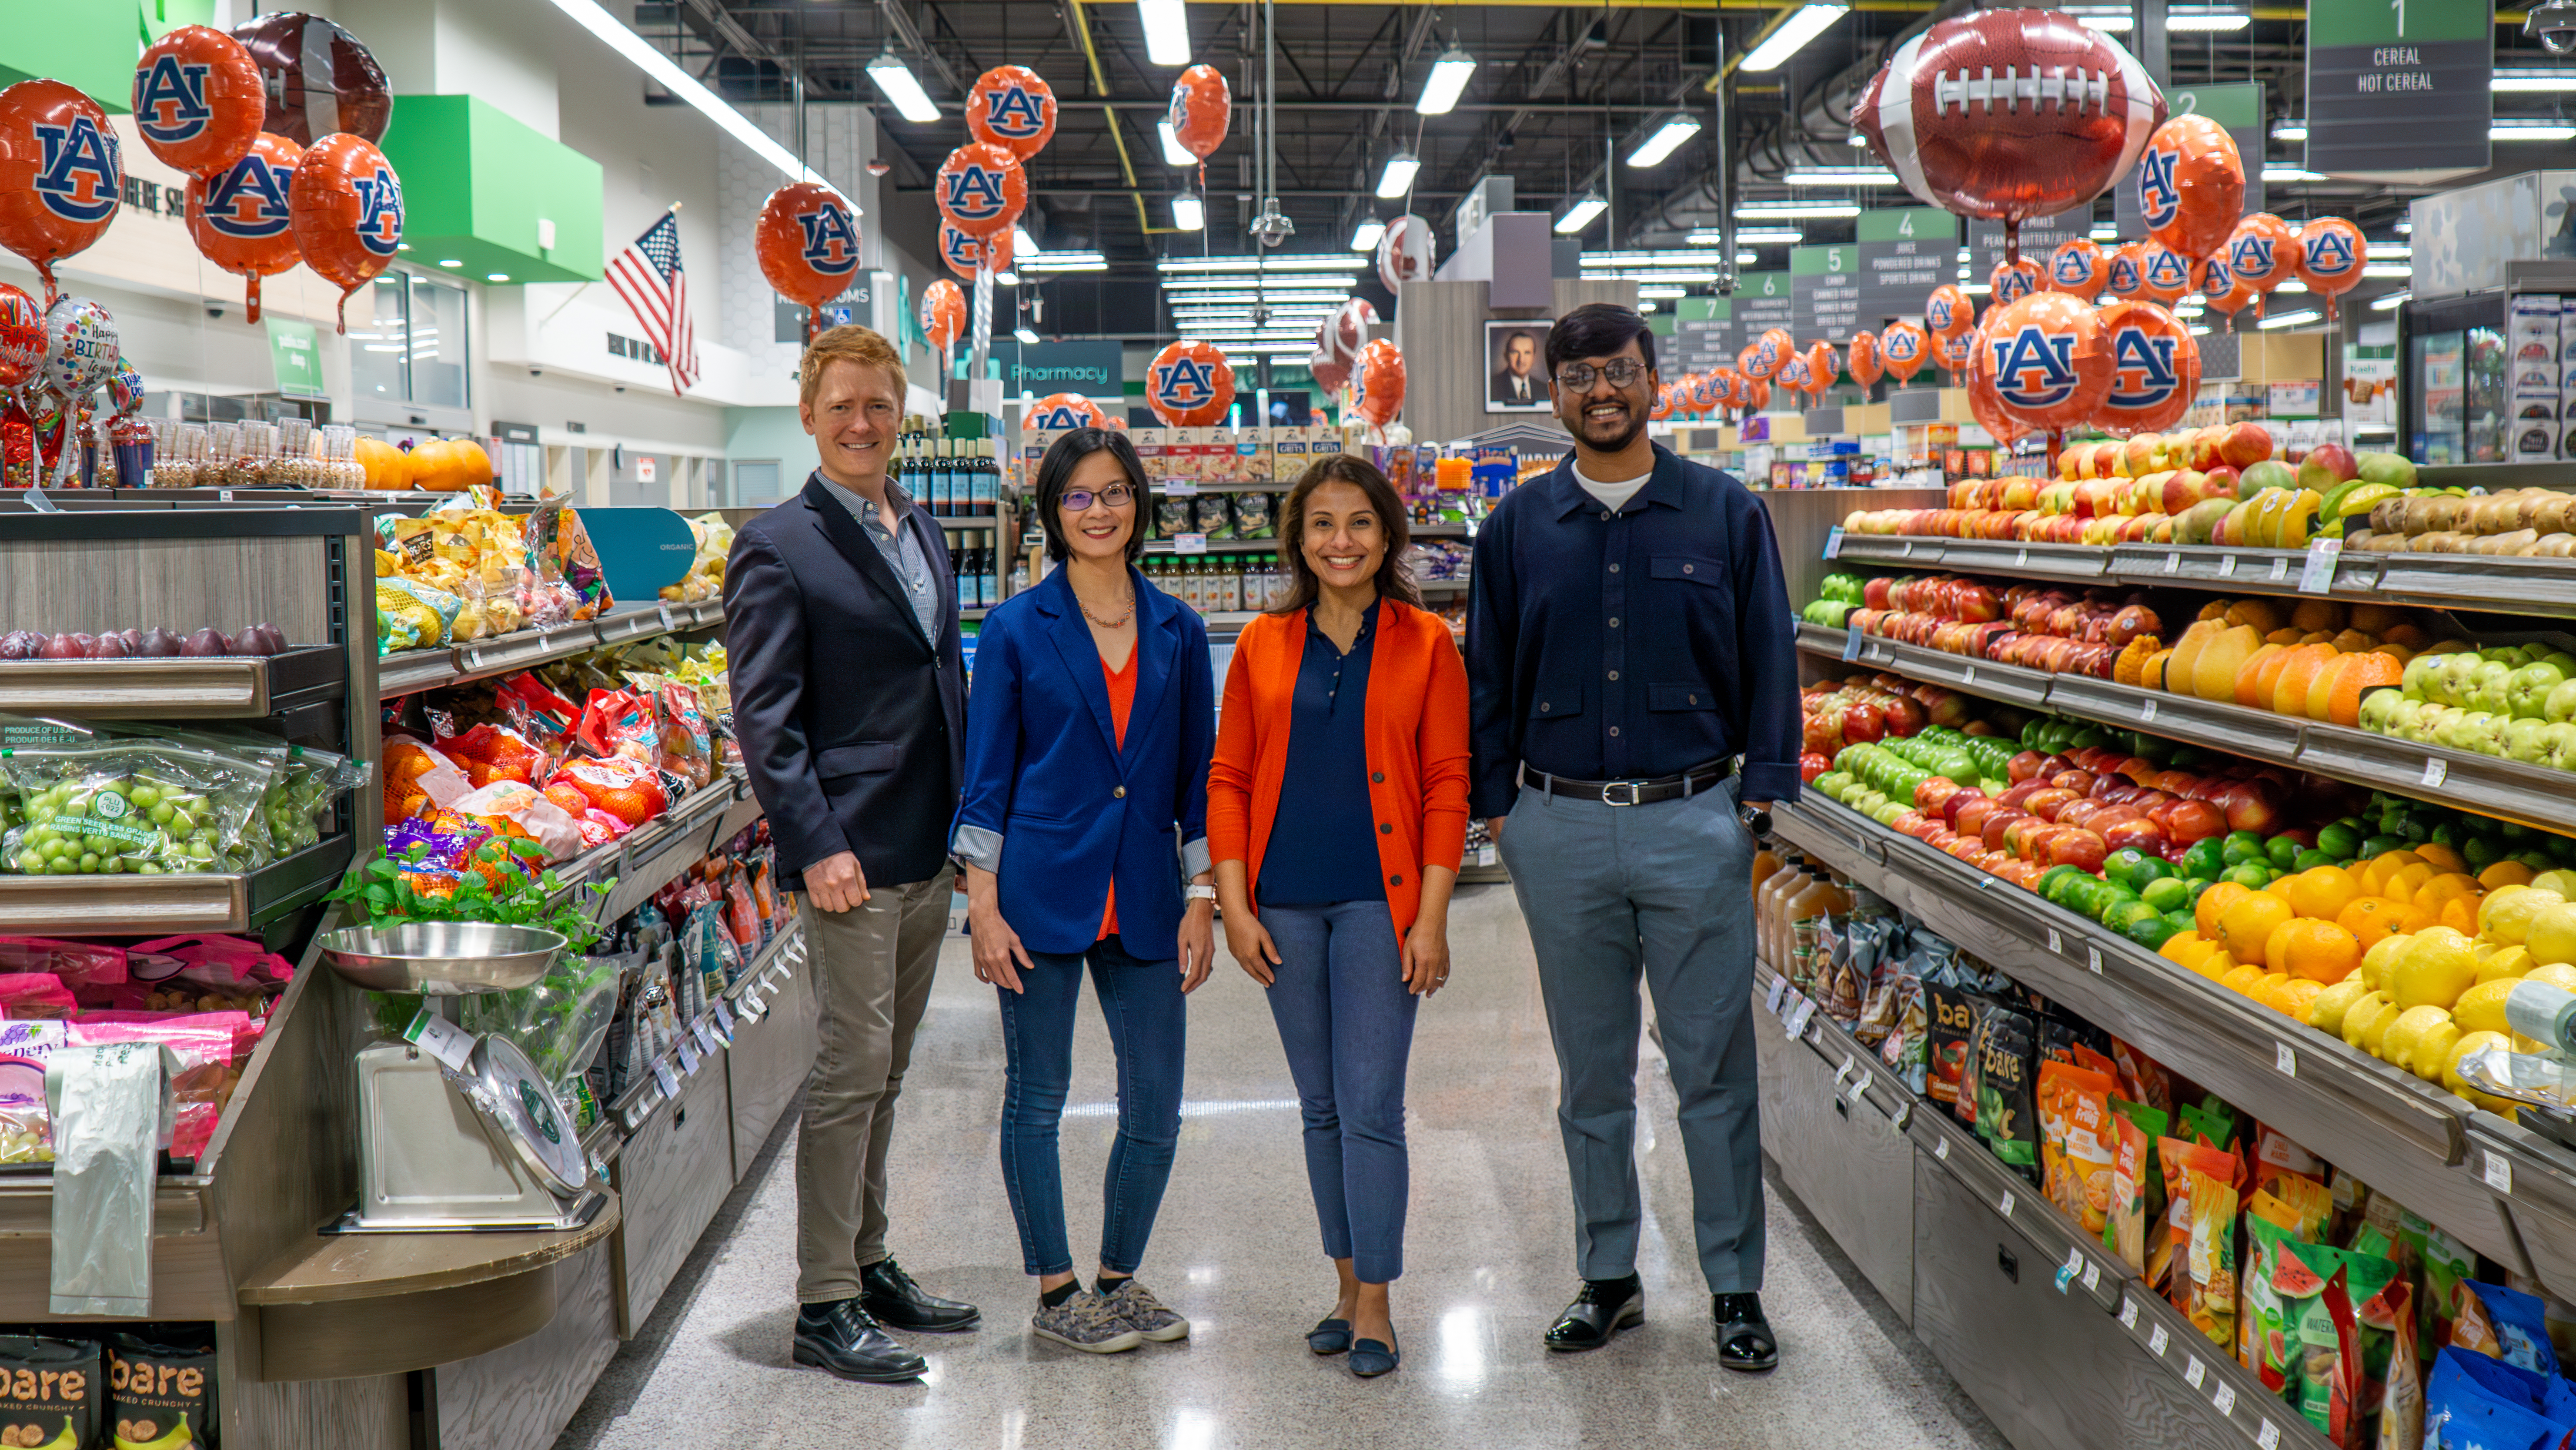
x: 2454, y: 673
x: 2379, y: 711
x: 2420, y: 682
x: 2406, y: 720
x: 2425, y: 725
x: 2561, y: 704
x: 2526, y: 692
x: 2455, y: 728
x: 2483, y: 732
x: 2487, y: 681
x: 2524, y: 741
x: 2511, y: 654
x: 2559, y: 741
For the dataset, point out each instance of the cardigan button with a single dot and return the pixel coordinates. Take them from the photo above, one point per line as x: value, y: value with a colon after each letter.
x: 1395, y: 881
x: 1120, y: 792
x: 1378, y: 776
x: 1384, y: 829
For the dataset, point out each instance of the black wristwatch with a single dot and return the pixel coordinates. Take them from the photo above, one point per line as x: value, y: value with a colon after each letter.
x: 1756, y: 820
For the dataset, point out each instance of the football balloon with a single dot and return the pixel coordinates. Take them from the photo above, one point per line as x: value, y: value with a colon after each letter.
x: 1404, y: 252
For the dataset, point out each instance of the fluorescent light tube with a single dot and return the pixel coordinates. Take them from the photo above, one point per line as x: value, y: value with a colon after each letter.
x: 1580, y: 215
x: 902, y: 90
x: 2535, y: 130
x: 2391, y: 302
x: 1792, y: 35
x: 1294, y: 262
x: 1839, y: 176
x: 1448, y: 80
x: 1397, y: 178
x: 2205, y: 19
x: 1766, y: 210
x: 2292, y: 319
x: 2535, y: 81
x: 1167, y: 31
x: 1188, y: 213
x: 1025, y: 336
x: 1667, y: 139
x: 2290, y: 131
x: 1364, y: 237
x: 642, y: 54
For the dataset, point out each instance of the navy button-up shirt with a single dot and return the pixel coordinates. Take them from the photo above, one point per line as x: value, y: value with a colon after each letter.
x: 1323, y: 840
x: 1633, y: 645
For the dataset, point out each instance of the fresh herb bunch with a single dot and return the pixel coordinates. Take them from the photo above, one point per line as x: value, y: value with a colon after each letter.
x: 531, y: 896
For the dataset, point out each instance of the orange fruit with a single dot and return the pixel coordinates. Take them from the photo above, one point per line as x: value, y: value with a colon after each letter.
x: 2507, y: 872
x: 2441, y: 857
x: 2322, y: 892
x: 2364, y: 672
x: 2293, y: 996
x: 2460, y: 913
x: 2412, y: 919
x: 2320, y: 702
x: 2297, y: 673
x: 2215, y: 965
x: 2186, y: 948
x: 2242, y: 979
x: 2374, y: 877
x: 2447, y: 886
x: 2248, y: 923
x: 2318, y: 951
x: 2369, y: 918
x: 2205, y: 911
x: 2405, y: 881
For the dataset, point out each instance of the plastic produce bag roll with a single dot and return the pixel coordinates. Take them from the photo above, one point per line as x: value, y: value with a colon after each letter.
x: 111, y: 1110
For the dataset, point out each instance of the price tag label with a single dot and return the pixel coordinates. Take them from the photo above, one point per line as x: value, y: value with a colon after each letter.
x: 1842, y: 1074
x: 664, y: 1079
x: 2056, y: 944
x: 2499, y: 1172
x: 599, y: 1168
x: 1968, y: 676
x: 2280, y: 568
x: 452, y: 1045
x: 2316, y: 576
x: 2193, y: 1371
x: 754, y: 1007
x: 1906, y: 549
x: 2157, y: 1339
x: 2066, y: 1271
x: 2285, y: 1060
x: 2092, y: 1277
x: 2269, y: 1437
x: 2093, y: 959
x: 688, y: 1057
x: 666, y: 616
x: 2021, y: 558
x: 1834, y: 542
x: 1851, y: 645
x: 2227, y: 567
x: 2128, y: 1312
x: 707, y: 1042
x: 1941, y: 1149
x: 2224, y: 1398
x: 2436, y: 771
x: 1189, y: 543
x: 1779, y: 989
x: 1179, y: 488
x: 724, y: 1016
x: 2147, y: 713
x: 1798, y: 1019
x: 783, y: 967
x: 2173, y: 561
x: 2005, y: 1207
x: 1860, y: 1089
x: 224, y: 494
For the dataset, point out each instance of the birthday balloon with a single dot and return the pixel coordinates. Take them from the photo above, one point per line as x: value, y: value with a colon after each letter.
x: 981, y: 189
x: 198, y: 100
x: 61, y: 177
x: 962, y: 253
x: 240, y: 217
x: 1377, y: 385
x: 1862, y: 359
x: 1769, y: 353
x: 2223, y: 292
x: 1949, y: 311
x: 81, y: 351
x: 1190, y: 384
x: 1200, y: 106
x: 1904, y: 347
x: 125, y: 390
x: 347, y: 207
x: 2331, y: 253
x: 22, y: 338
x: 1404, y: 252
x: 2015, y: 279
x: 2263, y: 253
x: 319, y: 78
x: 1008, y: 106
x: 2191, y: 185
x: 2127, y: 277
x: 807, y: 242
x: 2155, y: 369
x: 943, y: 314
x: 2044, y: 358
x: 2079, y: 268
x: 2164, y: 274
x: 1059, y: 411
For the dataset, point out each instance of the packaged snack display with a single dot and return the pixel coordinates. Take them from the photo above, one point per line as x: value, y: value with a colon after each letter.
x: 51, y: 1390
x: 161, y: 1388
x: 560, y: 553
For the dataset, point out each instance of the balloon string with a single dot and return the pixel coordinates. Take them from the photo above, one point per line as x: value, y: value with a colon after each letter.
x: 250, y: 293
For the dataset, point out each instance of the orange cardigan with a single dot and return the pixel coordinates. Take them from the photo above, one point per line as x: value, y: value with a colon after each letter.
x: 1417, y: 747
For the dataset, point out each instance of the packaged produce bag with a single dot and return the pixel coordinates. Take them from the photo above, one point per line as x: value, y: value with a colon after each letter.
x: 2205, y: 1259
x: 2472, y: 1402
x: 2005, y: 1059
x: 2076, y: 1139
x: 2135, y: 1190
x: 2401, y: 1397
x: 2504, y: 1324
x: 2342, y: 1333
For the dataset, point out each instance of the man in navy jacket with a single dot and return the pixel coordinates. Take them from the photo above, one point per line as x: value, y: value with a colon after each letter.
x: 1633, y: 684
x: 850, y: 703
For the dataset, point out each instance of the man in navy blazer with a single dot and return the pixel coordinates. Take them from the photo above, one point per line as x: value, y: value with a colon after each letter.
x: 850, y: 704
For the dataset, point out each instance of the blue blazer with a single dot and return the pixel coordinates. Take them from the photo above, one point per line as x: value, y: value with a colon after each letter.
x: 1052, y: 804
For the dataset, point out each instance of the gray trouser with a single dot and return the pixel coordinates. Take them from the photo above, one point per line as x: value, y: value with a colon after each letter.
x: 1666, y: 888
x: 872, y: 967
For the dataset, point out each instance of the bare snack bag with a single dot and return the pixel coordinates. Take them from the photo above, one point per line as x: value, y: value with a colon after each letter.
x: 50, y: 1391
x: 161, y: 1387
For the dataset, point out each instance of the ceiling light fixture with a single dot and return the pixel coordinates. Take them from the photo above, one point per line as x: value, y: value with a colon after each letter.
x: 1792, y: 34
x: 901, y: 88
x: 1024, y: 247
x: 2291, y: 173
x: 1174, y: 153
x: 1167, y: 31
x: 2292, y: 319
x: 2533, y: 81
x: 2538, y: 129
x: 2391, y: 302
x: 2104, y: 232
x: 1364, y: 236
x: 1748, y: 236
x: 641, y: 53
x: 1580, y: 215
x: 1838, y: 176
x: 1288, y: 263
x: 1188, y: 212
x: 1767, y: 210
x: 1397, y: 178
x: 496, y: 276
x: 2290, y: 131
x: 2206, y: 19
x: 2109, y: 19
x: 1448, y: 81
x: 1065, y: 262
x: 1665, y: 139
x: 1006, y: 279
x: 1026, y: 337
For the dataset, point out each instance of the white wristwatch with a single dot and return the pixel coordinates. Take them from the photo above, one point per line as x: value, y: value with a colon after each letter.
x: 1196, y: 892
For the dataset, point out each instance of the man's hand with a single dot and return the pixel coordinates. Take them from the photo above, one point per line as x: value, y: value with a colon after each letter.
x: 1494, y: 827
x: 836, y: 883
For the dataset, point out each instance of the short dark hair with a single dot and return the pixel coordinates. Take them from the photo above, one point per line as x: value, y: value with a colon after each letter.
x: 1055, y: 471
x: 1597, y: 329
x: 1394, y: 576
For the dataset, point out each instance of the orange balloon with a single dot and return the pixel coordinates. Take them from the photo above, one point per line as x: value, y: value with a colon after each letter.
x: 2191, y: 185
x: 61, y: 178
x: 2155, y: 369
x: 2127, y: 275
x: 2079, y: 268
x: 2220, y: 288
x: 1756, y: 395
x: 198, y: 100
x: 2263, y: 253
x: 1201, y: 105
x: 1824, y: 363
x: 1949, y: 311
x: 348, y: 210
x: 1955, y: 352
x: 1712, y: 391
x: 2012, y: 281
x: 1191, y: 384
x: 961, y: 252
x: 1059, y: 411
x: 2165, y: 274
x: 807, y: 241
x: 943, y: 314
x: 1989, y: 410
x: 1770, y: 352
x: 981, y: 189
x: 1008, y: 106
x: 2043, y: 356
x: 1661, y: 408
x: 1863, y: 359
x: 239, y: 217
x: 2331, y: 253
x: 1377, y: 384
x: 1796, y: 374
x: 1905, y: 347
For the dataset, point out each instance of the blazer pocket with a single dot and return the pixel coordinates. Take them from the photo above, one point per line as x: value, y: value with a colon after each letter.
x: 1690, y: 569
x: 869, y: 757
x: 1555, y: 702
x: 1680, y: 697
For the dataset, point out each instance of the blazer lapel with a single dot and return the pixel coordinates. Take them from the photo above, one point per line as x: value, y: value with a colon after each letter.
x: 1157, y: 651
x: 842, y: 528
x: 1081, y: 656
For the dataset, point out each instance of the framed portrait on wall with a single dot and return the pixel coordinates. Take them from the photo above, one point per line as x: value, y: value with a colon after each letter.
x: 1516, y: 365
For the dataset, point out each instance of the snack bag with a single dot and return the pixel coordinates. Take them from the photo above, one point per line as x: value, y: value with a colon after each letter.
x: 560, y: 554
x: 2076, y: 1142
x: 2205, y: 1269
x: 2142, y: 1079
x: 2176, y: 1160
x: 2401, y: 1397
x: 684, y: 750
x: 34, y: 995
x: 2134, y: 1129
x: 2005, y: 1053
x: 2504, y: 1324
x: 2475, y: 1403
x: 51, y: 1390
x: 77, y: 964
x: 620, y: 722
x: 1953, y: 1023
x: 161, y: 1388
x: 2446, y: 1263
x: 2336, y: 1362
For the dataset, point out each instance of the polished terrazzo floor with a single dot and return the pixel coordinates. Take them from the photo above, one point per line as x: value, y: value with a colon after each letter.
x: 1489, y: 1255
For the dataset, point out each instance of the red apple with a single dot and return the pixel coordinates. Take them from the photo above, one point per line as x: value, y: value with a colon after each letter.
x: 1966, y: 848
x: 2250, y: 806
x: 2047, y: 803
x: 1933, y: 791
x: 2080, y: 849
x: 1812, y: 765
x: 2022, y: 837
x: 2024, y: 766
x: 1992, y: 860
x: 2247, y: 444
x: 1970, y: 819
x: 2187, y: 821
x: 2018, y: 794
x: 1991, y: 830
x: 1911, y: 823
x: 1862, y: 724
x: 2143, y: 835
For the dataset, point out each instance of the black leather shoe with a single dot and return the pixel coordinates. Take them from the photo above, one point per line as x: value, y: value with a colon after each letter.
x: 1605, y: 1307
x: 888, y: 1293
x: 1744, y: 1339
x: 842, y: 1339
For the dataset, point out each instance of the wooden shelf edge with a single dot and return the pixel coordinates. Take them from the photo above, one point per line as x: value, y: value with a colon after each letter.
x: 345, y: 1267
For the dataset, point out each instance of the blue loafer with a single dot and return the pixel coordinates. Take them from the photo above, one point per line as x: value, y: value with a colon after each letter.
x: 1369, y: 1359
x: 1330, y: 1337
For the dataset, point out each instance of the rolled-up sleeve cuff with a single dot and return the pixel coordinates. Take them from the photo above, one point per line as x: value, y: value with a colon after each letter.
x: 979, y: 846
x: 1196, y: 858
x: 1773, y: 781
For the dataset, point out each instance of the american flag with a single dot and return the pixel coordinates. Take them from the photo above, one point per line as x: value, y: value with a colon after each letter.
x: 647, y: 274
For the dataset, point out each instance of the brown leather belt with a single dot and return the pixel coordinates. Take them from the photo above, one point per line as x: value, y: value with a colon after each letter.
x: 1634, y: 792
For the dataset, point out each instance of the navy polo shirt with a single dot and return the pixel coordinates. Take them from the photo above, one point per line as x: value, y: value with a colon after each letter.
x: 1323, y: 839
x: 1631, y: 645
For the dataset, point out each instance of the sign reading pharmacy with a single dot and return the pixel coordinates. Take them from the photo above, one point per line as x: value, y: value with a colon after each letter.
x: 2400, y: 91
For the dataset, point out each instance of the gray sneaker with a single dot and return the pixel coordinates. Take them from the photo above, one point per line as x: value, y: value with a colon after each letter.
x: 1137, y: 1305
x: 1086, y: 1322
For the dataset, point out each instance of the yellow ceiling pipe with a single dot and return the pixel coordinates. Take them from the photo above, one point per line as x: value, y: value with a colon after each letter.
x: 1118, y: 138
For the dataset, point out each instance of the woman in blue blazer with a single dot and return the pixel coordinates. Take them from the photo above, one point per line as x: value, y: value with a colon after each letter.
x: 1087, y: 743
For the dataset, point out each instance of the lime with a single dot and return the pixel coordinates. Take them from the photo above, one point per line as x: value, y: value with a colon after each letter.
x: 2381, y: 845
x: 2150, y: 869
x: 2283, y: 850
x: 2118, y: 865
x: 2150, y: 931
x: 2168, y: 893
x: 2055, y: 883
x: 2250, y: 875
x: 2342, y: 839
x: 2240, y: 847
x: 2120, y: 917
x: 2205, y: 858
x: 2481, y: 852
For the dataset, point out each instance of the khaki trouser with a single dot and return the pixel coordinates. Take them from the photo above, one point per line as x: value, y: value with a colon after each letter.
x: 872, y: 968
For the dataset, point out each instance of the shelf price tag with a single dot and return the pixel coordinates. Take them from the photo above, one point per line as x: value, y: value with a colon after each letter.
x: 1834, y: 542
x: 724, y: 1016
x: 2128, y: 1312
x: 2227, y: 567
x: 1779, y: 989
x: 1179, y: 488
x: 2147, y: 712
x: 2005, y: 1207
x: 1941, y: 1149
x: 1842, y: 1074
x: 2066, y: 1271
x: 1968, y: 675
x: 2280, y: 568
x: 664, y: 1079
x: 2194, y: 1373
x: 452, y: 1045
x: 2499, y: 1172
x: 2269, y: 1437
x: 2285, y: 1059
x: 2317, y: 575
x: 707, y: 1042
x: 666, y: 617
x: 2092, y: 1277
x: 1189, y: 543
x: 1851, y: 645
x: 2093, y: 959
x: 2173, y: 561
x: 2157, y: 1339
x: 688, y: 1057
x: 2056, y: 944
x: 1798, y: 1018
x: 2436, y: 771
x: 2223, y: 1399
x: 2021, y: 558
x: 1860, y: 1089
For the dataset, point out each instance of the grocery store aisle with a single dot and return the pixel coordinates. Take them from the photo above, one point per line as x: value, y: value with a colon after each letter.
x: 1489, y: 1263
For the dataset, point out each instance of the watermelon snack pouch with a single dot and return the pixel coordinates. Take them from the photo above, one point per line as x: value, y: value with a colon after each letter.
x: 2206, y: 1278
x: 2340, y: 1350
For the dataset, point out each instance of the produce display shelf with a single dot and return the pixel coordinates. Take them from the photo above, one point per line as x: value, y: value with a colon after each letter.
x: 408, y: 671
x: 229, y: 687
x: 745, y: 999
x: 2509, y: 789
x: 161, y: 905
x: 2393, y: 1130
x: 645, y: 858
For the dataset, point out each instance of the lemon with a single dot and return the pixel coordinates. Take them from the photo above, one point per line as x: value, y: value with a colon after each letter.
x: 2561, y: 881
x: 2433, y: 971
x: 2398, y: 1039
x: 2556, y: 974
x: 2372, y: 1025
x: 2506, y: 915
x: 2327, y: 1012
x: 2503, y: 964
x: 2552, y: 933
x: 2374, y: 963
x: 2481, y: 1008
x: 2433, y: 1048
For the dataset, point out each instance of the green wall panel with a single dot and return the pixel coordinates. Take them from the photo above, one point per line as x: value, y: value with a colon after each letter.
x: 91, y: 44
x: 475, y: 184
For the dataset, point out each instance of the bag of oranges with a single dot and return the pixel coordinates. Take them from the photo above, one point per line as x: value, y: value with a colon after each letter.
x: 627, y: 789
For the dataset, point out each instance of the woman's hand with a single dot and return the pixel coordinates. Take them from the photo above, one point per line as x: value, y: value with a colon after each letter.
x: 1198, y: 944
x: 1426, y: 956
x: 995, y: 945
x: 1248, y: 941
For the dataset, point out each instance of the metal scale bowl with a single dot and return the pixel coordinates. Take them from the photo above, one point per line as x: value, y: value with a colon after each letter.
x: 457, y: 1133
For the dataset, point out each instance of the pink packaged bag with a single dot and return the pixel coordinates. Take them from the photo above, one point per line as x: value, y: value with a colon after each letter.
x: 78, y: 964
x: 211, y: 1048
x: 35, y: 995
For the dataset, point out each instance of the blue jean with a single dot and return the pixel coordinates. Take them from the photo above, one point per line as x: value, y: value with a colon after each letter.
x: 1149, y: 1028
x: 1346, y: 1020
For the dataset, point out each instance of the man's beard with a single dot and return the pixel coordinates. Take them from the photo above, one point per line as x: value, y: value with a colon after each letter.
x: 1608, y: 437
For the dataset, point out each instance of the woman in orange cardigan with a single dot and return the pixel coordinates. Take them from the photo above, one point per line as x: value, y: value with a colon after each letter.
x: 1336, y: 892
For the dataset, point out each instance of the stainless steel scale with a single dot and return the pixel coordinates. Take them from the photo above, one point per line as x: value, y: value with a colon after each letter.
x: 457, y: 1132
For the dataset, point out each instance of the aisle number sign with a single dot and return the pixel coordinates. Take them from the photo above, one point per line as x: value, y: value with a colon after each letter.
x: 1825, y: 287
x: 1764, y: 300
x: 2400, y: 91
x: 1904, y: 253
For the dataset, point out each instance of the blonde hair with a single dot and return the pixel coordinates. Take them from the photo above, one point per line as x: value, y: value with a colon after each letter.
x: 852, y: 344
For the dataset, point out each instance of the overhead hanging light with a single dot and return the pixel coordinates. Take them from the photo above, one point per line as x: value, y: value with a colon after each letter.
x: 1765, y: 210
x: 2530, y: 130
x: 2533, y: 80
x: 1174, y: 153
x: 642, y: 54
x: 2111, y: 19
x: 1747, y: 236
x: 1838, y: 176
x: 1024, y: 248
x: 2206, y: 19
x: 901, y: 88
x: 1397, y: 178
x: 1026, y: 337
x: 1791, y: 35
x: 2391, y: 302
x: 1665, y: 139
x: 1364, y: 236
x: 1580, y: 215
x: 2292, y: 319
x: 1448, y: 80
x: 1188, y: 212
x: 1167, y: 31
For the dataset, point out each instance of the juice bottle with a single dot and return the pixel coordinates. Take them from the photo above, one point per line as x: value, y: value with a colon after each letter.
x: 1806, y: 913
x: 1766, y: 911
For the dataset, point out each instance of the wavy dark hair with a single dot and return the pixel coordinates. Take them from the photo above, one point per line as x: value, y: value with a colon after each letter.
x: 1394, y: 575
x: 1055, y: 473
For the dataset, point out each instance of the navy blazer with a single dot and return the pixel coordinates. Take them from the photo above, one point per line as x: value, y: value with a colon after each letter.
x: 1053, y: 804
x: 851, y: 722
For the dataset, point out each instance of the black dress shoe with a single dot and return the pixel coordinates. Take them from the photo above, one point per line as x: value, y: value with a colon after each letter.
x: 1743, y: 1336
x: 1605, y: 1307
x: 842, y: 1339
x: 887, y: 1292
